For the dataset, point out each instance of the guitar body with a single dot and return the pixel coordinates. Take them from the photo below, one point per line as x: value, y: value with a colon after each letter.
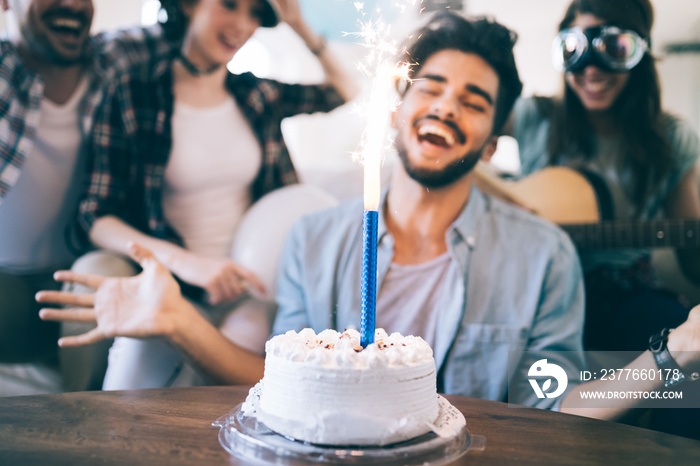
x: 559, y: 194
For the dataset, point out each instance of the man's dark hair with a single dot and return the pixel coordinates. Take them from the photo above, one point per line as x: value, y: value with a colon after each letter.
x: 481, y: 36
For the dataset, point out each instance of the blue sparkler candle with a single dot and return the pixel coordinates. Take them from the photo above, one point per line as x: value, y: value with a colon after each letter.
x: 375, y: 136
x: 375, y: 140
x: 369, y: 276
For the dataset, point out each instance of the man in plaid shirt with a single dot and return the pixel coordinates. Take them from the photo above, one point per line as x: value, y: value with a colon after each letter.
x: 53, y: 76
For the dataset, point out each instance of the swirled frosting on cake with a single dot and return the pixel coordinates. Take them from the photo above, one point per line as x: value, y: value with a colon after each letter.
x: 327, y: 389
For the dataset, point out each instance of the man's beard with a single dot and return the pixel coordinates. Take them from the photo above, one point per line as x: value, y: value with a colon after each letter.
x: 445, y: 176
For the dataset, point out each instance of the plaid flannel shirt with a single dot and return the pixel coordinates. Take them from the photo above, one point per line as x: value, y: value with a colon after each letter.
x: 108, y: 56
x: 132, y: 141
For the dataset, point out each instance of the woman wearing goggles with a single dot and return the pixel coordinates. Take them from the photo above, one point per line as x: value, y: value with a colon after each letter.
x: 610, y: 122
x: 608, y: 47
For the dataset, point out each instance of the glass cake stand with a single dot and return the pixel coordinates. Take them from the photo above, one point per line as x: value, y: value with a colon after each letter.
x: 247, y: 438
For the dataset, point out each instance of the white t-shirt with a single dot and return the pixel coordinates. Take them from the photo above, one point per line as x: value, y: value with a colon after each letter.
x: 37, y: 210
x: 413, y: 313
x: 214, y: 159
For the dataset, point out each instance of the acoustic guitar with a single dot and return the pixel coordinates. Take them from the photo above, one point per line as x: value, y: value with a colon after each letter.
x: 581, y: 204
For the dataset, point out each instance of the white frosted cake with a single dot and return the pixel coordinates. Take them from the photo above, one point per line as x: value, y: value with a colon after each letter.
x: 326, y: 389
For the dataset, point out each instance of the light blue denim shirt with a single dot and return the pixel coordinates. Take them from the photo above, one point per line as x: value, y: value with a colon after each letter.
x: 515, y: 280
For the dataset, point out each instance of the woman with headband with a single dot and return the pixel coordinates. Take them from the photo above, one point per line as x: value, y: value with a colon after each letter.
x: 204, y: 144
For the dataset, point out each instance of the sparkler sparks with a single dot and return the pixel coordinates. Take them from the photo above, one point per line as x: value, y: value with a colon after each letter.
x: 381, y: 69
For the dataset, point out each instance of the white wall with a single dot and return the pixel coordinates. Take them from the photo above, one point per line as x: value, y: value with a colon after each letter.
x: 111, y: 14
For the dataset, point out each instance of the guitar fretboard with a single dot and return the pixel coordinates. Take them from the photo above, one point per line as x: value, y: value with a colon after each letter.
x: 676, y: 233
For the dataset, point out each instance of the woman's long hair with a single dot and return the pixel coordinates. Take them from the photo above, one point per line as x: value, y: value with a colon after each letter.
x: 637, y: 109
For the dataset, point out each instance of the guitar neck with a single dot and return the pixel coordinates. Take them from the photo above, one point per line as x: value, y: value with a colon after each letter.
x: 675, y: 233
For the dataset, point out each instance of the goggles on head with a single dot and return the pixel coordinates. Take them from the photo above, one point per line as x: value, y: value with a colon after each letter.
x: 607, y: 47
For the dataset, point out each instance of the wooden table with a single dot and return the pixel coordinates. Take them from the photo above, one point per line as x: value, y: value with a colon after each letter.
x: 173, y: 426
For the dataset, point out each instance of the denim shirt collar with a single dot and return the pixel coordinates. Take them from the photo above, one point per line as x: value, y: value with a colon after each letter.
x: 462, y: 230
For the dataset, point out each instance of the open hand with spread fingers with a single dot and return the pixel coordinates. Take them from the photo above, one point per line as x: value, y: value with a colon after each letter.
x: 147, y: 305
